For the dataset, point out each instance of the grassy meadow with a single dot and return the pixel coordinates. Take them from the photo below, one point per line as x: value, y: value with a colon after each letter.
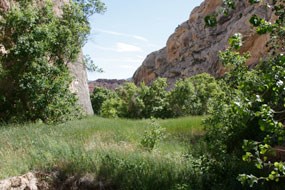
x: 109, y: 149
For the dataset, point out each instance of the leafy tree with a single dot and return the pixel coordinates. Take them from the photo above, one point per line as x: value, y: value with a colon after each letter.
x: 155, y: 99
x: 35, y: 80
x: 193, y: 96
x: 111, y: 108
x: 248, y: 123
x: 182, y: 98
x: 205, y: 89
x: 132, y: 102
x: 99, y: 96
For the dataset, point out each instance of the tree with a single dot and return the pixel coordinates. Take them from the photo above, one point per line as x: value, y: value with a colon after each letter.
x: 132, y: 102
x: 155, y: 99
x: 248, y: 123
x: 182, y: 97
x: 35, y: 80
x: 99, y: 96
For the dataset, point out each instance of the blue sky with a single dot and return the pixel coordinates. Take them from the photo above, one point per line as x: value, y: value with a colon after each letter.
x: 129, y: 30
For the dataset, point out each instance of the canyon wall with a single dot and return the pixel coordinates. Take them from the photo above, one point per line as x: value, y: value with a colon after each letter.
x: 193, y: 48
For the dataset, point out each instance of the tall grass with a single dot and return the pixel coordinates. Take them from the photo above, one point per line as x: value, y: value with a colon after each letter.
x: 109, y: 149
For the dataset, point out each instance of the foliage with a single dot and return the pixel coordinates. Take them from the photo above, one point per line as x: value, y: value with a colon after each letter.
x: 206, y: 88
x: 99, y: 96
x: 155, y: 99
x: 192, y: 96
x: 248, y: 123
x: 152, y: 135
x: 111, y: 108
x: 132, y: 102
x: 210, y: 20
x: 182, y: 98
x: 90, y: 66
x: 39, y: 44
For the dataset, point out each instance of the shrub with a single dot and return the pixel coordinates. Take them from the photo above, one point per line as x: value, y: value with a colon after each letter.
x: 152, y: 135
x: 98, y: 97
x: 155, y: 99
x: 193, y: 96
x: 247, y: 123
x: 132, y: 103
x: 111, y: 108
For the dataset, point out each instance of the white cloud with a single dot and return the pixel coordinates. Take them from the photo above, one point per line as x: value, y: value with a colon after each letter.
x: 110, y: 32
x: 123, y: 47
x: 137, y: 37
x: 140, y: 38
x: 104, y: 48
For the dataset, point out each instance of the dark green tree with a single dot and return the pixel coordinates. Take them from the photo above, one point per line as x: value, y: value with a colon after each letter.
x: 99, y: 96
x: 35, y: 80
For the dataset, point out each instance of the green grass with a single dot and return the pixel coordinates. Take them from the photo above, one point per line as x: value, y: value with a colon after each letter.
x: 110, y: 149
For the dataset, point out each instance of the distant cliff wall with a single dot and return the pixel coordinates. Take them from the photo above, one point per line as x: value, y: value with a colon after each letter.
x: 193, y: 48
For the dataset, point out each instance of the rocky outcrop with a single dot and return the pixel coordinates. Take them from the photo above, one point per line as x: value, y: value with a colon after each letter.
x: 24, y: 182
x: 4, y: 5
x: 53, y: 181
x: 194, y: 48
x: 111, y: 84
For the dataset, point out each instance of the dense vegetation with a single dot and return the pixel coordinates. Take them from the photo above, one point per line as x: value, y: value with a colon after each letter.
x: 191, y: 96
x: 242, y: 145
x: 245, y: 132
x: 34, y: 78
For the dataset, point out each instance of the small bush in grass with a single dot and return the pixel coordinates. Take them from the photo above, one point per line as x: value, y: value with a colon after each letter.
x: 152, y: 135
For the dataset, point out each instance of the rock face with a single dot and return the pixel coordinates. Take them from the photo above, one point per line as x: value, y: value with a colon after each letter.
x: 78, y: 71
x: 193, y: 48
x: 79, y: 84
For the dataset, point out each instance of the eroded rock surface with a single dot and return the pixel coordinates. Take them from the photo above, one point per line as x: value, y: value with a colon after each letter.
x: 24, y: 182
x: 193, y: 48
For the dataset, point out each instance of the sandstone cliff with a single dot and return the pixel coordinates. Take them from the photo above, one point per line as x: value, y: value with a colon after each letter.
x: 193, y: 48
x: 78, y: 72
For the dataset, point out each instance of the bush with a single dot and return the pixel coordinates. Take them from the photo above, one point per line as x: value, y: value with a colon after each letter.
x: 193, y: 96
x: 111, y: 108
x: 152, y: 135
x: 246, y: 129
x: 132, y: 102
x: 98, y: 97
x: 155, y: 99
